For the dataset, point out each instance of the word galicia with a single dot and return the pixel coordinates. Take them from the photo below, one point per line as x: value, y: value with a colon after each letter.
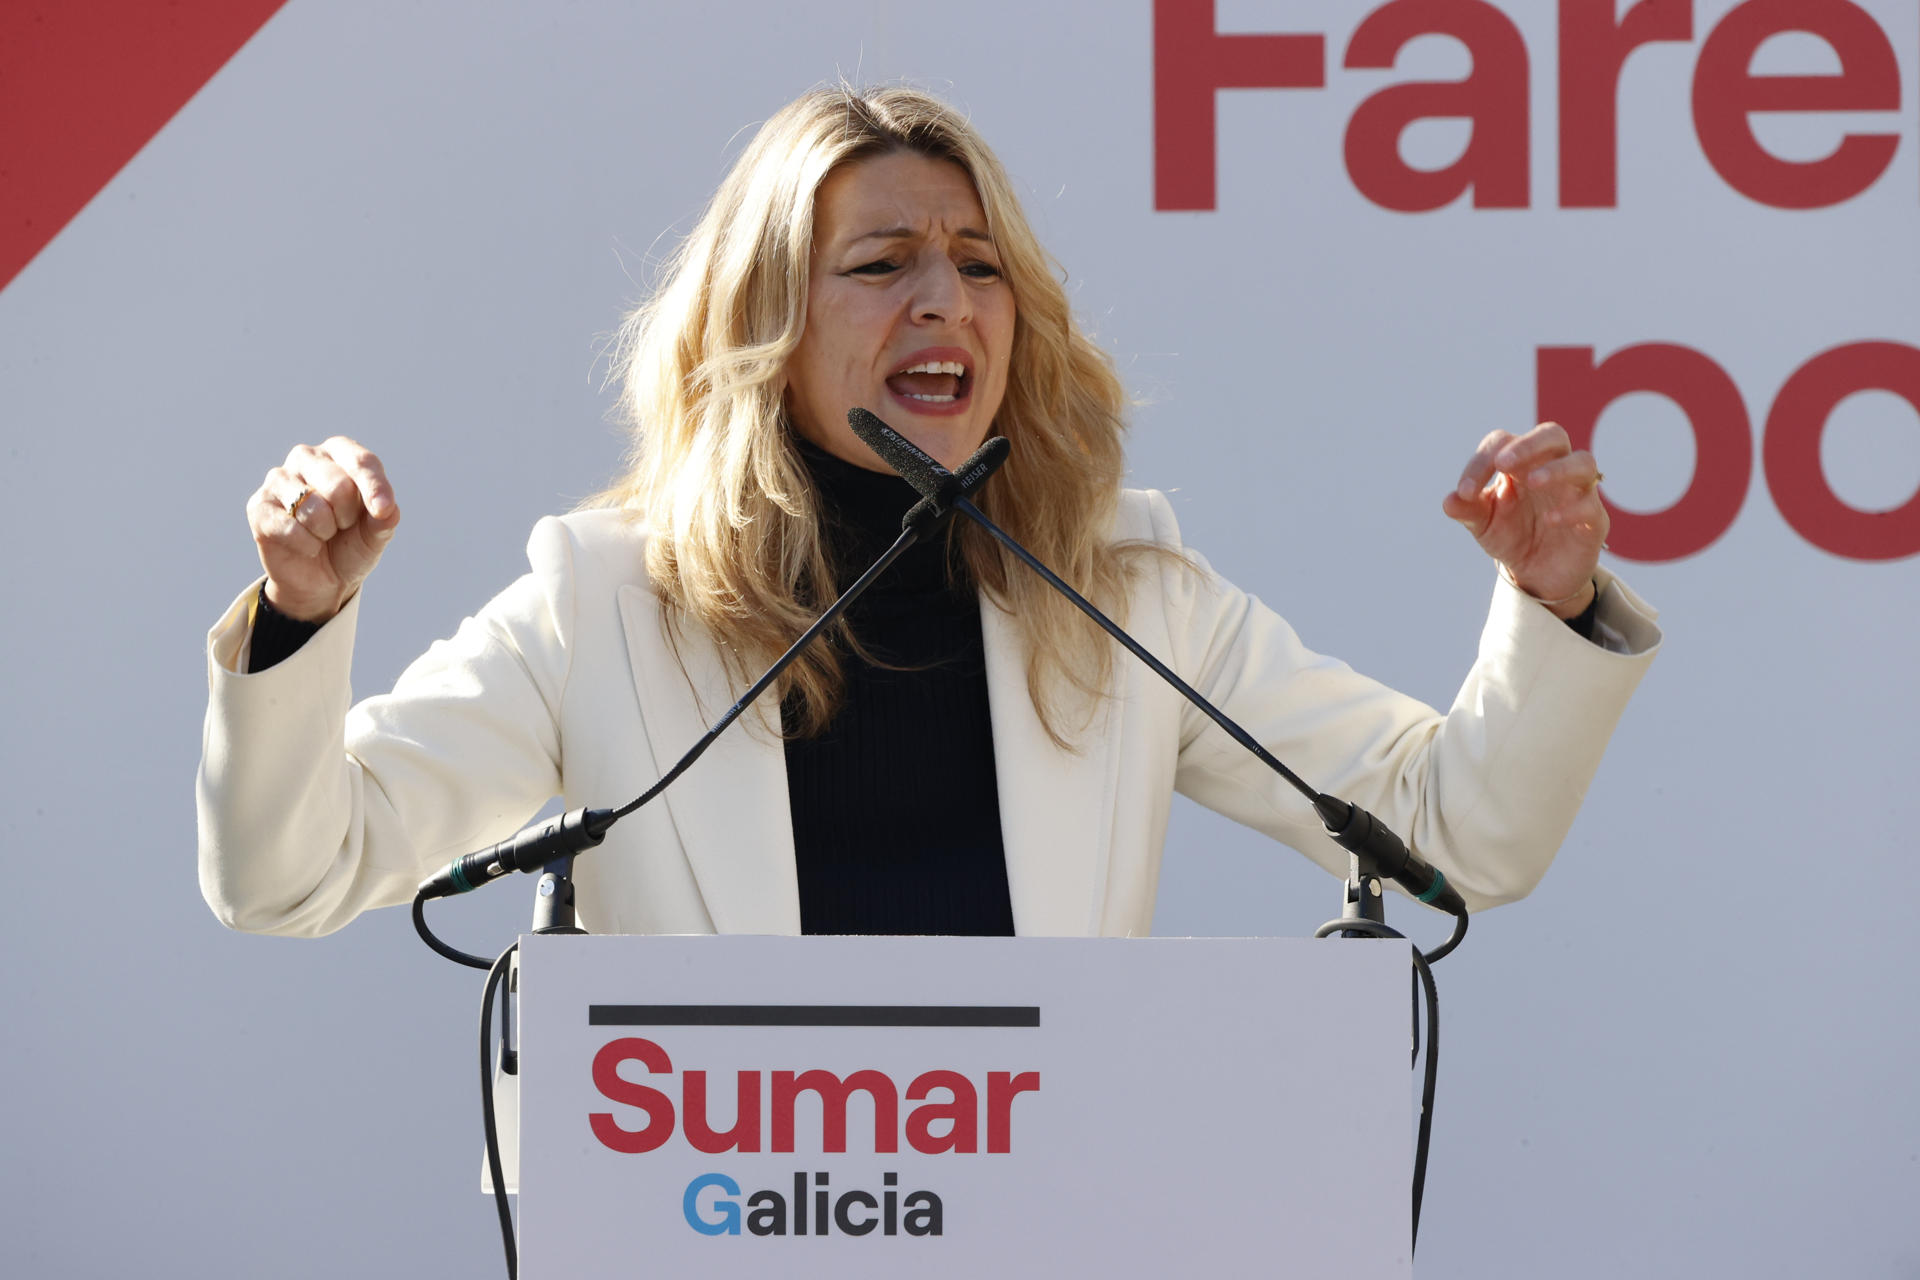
x: 920, y: 1214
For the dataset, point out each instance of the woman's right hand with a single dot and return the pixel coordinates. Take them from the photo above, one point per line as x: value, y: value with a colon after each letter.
x: 320, y: 521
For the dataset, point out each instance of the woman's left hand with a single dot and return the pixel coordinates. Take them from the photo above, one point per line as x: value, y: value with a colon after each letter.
x: 1532, y: 502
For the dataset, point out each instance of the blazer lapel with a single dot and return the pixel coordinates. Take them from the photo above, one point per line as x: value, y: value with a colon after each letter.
x: 1056, y: 807
x: 730, y: 808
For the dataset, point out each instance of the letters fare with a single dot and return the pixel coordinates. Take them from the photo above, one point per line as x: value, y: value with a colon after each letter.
x: 1192, y: 61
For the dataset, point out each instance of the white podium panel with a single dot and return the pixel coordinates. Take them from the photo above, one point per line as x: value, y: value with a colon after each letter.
x: 851, y: 1107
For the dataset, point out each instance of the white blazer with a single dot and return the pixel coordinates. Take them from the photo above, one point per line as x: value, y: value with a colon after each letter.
x: 312, y: 811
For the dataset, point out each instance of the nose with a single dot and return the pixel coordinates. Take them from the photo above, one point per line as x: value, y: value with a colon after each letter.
x: 942, y: 295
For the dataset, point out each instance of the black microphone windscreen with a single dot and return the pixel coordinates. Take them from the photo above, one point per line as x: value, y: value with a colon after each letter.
x: 982, y: 463
x: 928, y: 477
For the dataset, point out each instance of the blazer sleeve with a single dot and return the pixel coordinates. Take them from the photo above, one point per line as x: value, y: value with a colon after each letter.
x: 312, y: 810
x: 1486, y: 791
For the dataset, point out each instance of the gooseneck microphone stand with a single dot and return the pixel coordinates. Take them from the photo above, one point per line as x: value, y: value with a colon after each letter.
x: 1373, y: 849
x: 549, y: 847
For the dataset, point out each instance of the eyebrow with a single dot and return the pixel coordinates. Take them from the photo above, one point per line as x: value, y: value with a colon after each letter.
x: 903, y: 233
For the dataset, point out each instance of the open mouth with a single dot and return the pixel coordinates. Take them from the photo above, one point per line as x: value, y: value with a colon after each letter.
x: 932, y: 383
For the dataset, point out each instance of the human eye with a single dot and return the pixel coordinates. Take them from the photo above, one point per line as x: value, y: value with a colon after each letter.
x: 979, y: 269
x: 878, y: 267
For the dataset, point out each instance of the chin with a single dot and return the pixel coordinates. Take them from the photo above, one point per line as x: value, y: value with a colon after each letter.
x: 950, y: 449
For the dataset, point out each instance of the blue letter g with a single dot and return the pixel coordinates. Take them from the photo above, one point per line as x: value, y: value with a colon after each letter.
x: 728, y: 1223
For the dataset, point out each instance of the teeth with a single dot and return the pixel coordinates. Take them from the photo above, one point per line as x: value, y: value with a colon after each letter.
x: 930, y: 399
x: 953, y: 367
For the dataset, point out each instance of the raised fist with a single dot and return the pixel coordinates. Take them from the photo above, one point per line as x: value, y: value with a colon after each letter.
x: 320, y: 521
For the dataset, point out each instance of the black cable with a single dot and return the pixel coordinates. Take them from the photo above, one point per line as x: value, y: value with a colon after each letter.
x: 1426, y: 1092
x: 495, y: 974
x: 1374, y: 929
x: 426, y: 935
x: 1355, y: 925
x: 1413, y: 982
x: 1423, y: 973
x: 1445, y: 949
x: 509, y: 1056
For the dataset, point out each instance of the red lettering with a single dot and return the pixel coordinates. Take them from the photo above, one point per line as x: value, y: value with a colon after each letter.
x: 745, y: 1134
x: 1725, y: 93
x: 1493, y: 97
x: 1001, y: 1090
x: 1593, y: 48
x: 1191, y: 62
x: 834, y: 1092
x: 1790, y: 451
x: 607, y: 1079
x: 961, y: 1114
x: 1573, y: 391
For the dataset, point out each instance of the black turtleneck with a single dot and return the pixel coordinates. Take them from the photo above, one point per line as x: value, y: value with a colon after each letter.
x: 896, y: 811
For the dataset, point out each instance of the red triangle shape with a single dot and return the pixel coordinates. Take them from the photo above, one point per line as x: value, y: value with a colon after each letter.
x: 84, y: 84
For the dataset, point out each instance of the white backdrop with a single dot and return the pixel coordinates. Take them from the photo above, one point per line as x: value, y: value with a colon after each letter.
x: 1689, y: 1052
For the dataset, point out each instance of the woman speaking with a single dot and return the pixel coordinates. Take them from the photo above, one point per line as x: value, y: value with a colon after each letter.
x: 963, y: 753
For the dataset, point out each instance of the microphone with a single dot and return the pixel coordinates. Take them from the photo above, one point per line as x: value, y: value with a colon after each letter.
x: 530, y: 850
x: 1351, y: 827
x: 938, y: 488
x: 1357, y: 831
x: 918, y: 469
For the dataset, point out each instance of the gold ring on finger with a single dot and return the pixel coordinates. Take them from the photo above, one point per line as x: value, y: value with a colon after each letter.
x: 293, y: 508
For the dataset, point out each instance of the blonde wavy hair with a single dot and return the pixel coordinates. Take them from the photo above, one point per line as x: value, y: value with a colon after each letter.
x: 735, y: 541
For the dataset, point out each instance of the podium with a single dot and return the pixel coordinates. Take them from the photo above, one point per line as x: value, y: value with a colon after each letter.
x: 1006, y: 1107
